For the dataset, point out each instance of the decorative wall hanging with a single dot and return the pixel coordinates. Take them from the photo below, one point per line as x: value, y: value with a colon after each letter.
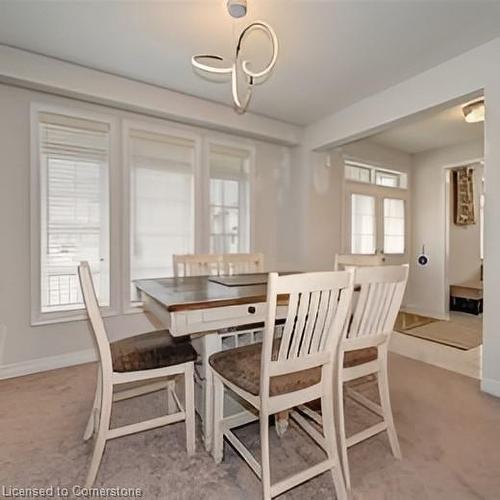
x: 463, y: 193
x: 239, y: 70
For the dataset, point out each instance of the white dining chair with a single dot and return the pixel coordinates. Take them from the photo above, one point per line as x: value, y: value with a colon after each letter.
x: 144, y: 358
x: 197, y: 265
x: 363, y: 352
x: 242, y: 263
x: 287, y: 370
x: 356, y: 260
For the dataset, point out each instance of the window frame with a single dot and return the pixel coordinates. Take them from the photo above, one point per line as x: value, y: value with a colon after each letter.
x: 374, y: 170
x: 119, y: 199
x: 128, y: 305
x: 38, y: 317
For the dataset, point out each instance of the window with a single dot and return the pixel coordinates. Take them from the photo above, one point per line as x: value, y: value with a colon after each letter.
x: 387, y: 179
x: 73, y: 156
x: 126, y: 195
x: 360, y: 172
x: 161, y: 202
x: 394, y: 226
x: 357, y: 172
x: 362, y: 224
x: 229, y: 200
x: 375, y: 210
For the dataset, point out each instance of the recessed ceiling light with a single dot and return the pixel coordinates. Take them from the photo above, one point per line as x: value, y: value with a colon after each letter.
x: 237, y: 8
x: 474, y: 111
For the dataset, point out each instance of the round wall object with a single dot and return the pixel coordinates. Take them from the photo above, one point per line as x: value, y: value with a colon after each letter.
x: 422, y: 259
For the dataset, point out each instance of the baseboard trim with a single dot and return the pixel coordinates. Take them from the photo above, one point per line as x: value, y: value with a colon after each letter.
x: 48, y: 363
x: 491, y: 386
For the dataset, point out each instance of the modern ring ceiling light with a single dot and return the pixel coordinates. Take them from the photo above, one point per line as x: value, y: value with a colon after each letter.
x: 474, y: 111
x: 239, y: 70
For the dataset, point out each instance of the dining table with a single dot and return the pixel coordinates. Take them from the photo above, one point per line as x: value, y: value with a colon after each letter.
x: 209, y: 308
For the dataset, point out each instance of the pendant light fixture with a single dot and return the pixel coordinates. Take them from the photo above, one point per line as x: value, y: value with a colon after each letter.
x: 239, y: 70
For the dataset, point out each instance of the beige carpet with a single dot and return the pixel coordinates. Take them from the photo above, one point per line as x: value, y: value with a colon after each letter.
x: 456, y: 333
x: 448, y: 432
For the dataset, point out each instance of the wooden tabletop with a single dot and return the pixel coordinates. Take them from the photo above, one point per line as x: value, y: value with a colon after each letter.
x: 199, y: 292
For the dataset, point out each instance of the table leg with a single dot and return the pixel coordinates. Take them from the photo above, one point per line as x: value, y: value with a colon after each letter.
x: 211, y: 344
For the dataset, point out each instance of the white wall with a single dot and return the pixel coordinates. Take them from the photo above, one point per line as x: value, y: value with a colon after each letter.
x: 323, y: 187
x: 365, y: 150
x: 463, y: 75
x: 24, y: 348
x: 427, y: 291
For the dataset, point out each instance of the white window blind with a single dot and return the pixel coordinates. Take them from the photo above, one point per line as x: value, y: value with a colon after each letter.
x: 74, y: 157
x: 229, y: 200
x: 161, y: 201
x: 394, y: 226
x: 363, y: 224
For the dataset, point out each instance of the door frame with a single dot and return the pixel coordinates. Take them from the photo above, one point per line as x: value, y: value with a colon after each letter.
x: 447, y: 169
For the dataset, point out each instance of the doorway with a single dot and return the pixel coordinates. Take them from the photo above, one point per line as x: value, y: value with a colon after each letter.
x: 397, y: 201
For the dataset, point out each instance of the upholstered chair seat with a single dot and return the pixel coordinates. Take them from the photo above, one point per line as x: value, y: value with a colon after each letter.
x: 241, y: 367
x: 360, y: 356
x: 149, y: 351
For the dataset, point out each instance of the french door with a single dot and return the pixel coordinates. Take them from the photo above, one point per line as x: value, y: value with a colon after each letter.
x: 376, y: 222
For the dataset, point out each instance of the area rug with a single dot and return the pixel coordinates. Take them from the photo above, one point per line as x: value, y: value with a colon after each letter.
x: 450, y: 333
x: 407, y: 321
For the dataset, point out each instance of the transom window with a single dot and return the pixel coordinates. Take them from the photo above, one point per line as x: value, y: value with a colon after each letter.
x: 360, y: 172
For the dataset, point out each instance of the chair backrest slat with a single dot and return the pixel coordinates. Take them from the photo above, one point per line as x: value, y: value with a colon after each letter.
x: 300, y: 325
x: 323, y: 308
x: 318, y: 307
x: 381, y: 290
x: 293, y: 301
x: 310, y: 327
x: 197, y: 265
x: 94, y: 314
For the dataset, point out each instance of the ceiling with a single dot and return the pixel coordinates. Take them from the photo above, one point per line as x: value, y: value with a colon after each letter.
x: 332, y: 53
x: 436, y: 129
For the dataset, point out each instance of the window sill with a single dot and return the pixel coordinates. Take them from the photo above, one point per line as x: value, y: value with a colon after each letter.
x: 44, y: 319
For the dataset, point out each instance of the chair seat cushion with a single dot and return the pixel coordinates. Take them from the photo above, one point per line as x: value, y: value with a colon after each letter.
x: 360, y: 356
x: 149, y: 351
x: 241, y: 367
